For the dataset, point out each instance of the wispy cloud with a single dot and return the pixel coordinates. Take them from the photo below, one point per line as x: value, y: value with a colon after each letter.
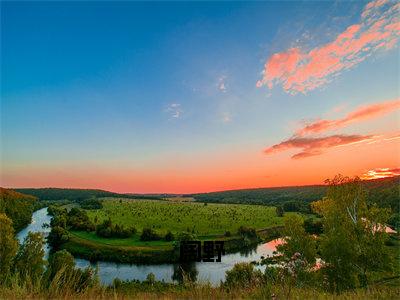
x: 298, y: 70
x: 360, y: 114
x: 221, y: 84
x: 312, y: 146
x: 380, y: 173
x: 174, y: 110
x: 226, y: 117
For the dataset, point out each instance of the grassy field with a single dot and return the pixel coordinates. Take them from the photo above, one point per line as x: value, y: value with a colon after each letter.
x: 201, y: 219
x: 132, y: 241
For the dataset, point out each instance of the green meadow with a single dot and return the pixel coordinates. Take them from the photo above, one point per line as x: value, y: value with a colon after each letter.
x: 199, y: 218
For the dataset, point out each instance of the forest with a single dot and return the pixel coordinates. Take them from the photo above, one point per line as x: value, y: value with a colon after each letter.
x: 77, y: 195
x: 17, y: 206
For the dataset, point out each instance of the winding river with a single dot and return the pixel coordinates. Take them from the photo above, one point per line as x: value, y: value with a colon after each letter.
x: 201, y: 271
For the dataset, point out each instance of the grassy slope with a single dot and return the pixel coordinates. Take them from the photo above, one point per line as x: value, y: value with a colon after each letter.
x: 278, y: 195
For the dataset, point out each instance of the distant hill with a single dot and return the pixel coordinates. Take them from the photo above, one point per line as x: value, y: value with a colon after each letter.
x: 55, y: 194
x: 385, y: 192
x: 18, y: 207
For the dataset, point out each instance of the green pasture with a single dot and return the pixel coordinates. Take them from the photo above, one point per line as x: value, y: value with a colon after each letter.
x: 201, y: 219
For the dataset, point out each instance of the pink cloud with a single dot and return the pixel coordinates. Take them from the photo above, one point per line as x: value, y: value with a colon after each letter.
x: 380, y: 173
x: 301, y: 71
x: 311, y: 146
x: 360, y: 114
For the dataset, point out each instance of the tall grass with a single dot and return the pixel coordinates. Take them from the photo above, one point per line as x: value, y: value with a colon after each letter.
x: 63, y: 286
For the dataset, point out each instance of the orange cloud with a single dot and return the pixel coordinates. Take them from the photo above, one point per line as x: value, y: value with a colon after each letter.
x: 317, y: 145
x: 360, y: 114
x: 380, y: 173
x: 301, y: 71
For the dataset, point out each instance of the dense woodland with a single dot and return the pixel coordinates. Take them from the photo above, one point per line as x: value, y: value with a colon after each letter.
x: 57, y: 194
x: 17, y: 206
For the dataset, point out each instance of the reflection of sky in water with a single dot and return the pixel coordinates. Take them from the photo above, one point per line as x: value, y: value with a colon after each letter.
x: 207, y: 271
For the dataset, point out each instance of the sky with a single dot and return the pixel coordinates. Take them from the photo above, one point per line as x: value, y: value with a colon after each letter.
x: 185, y: 97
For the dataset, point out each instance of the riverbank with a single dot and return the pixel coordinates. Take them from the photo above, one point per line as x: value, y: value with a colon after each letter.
x: 89, y: 246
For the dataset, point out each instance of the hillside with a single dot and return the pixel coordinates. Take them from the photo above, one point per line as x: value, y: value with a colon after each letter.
x: 384, y: 192
x: 17, y: 206
x: 55, y: 194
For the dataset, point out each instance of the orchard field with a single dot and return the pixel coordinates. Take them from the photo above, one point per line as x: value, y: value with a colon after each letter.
x: 199, y: 218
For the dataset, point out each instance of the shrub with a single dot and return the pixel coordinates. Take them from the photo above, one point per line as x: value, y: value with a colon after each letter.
x: 243, y: 275
x: 279, y: 211
x: 108, y: 230
x: 169, y: 236
x: 313, y: 226
x: 247, y: 232
x: 186, y: 236
x: 91, y: 203
x: 149, y: 234
x: 79, y: 220
x: 57, y: 236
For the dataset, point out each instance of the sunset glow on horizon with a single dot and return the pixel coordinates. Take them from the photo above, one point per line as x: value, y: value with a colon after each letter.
x: 190, y: 97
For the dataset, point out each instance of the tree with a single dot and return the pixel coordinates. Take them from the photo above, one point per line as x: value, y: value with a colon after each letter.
x: 353, y: 240
x: 8, y: 246
x: 297, y: 240
x: 243, y: 275
x: 169, y: 236
x: 62, y: 273
x: 313, y: 226
x: 57, y: 237
x: 185, y: 272
x: 29, y: 262
x: 60, y: 261
x: 149, y: 234
x: 18, y: 207
x: 247, y: 232
x: 151, y: 278
x: 279, y: 211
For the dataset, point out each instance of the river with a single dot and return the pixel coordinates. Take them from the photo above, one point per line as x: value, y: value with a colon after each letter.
x: 201, y: 271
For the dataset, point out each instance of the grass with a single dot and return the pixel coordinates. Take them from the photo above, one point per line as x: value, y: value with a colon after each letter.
x: 210, y: 219
x: 132, y: 241
x: 196, y: 291
x: 208, y: 222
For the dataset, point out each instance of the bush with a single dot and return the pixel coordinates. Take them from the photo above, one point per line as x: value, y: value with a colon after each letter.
x: 227, y: 233
x: 247, y: 232
x: 186, y: 236
x: 91, y: 203
x: 313, y: 226
x: 169, y: 236
x: 79, y: 220
x: 243, y: 275
x: 279, y: 211
x: 108, y: 230
x: 57, y: 237
x: 149, y: 234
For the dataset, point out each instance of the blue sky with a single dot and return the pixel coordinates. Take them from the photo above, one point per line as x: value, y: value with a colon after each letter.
x: 152, y: 88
